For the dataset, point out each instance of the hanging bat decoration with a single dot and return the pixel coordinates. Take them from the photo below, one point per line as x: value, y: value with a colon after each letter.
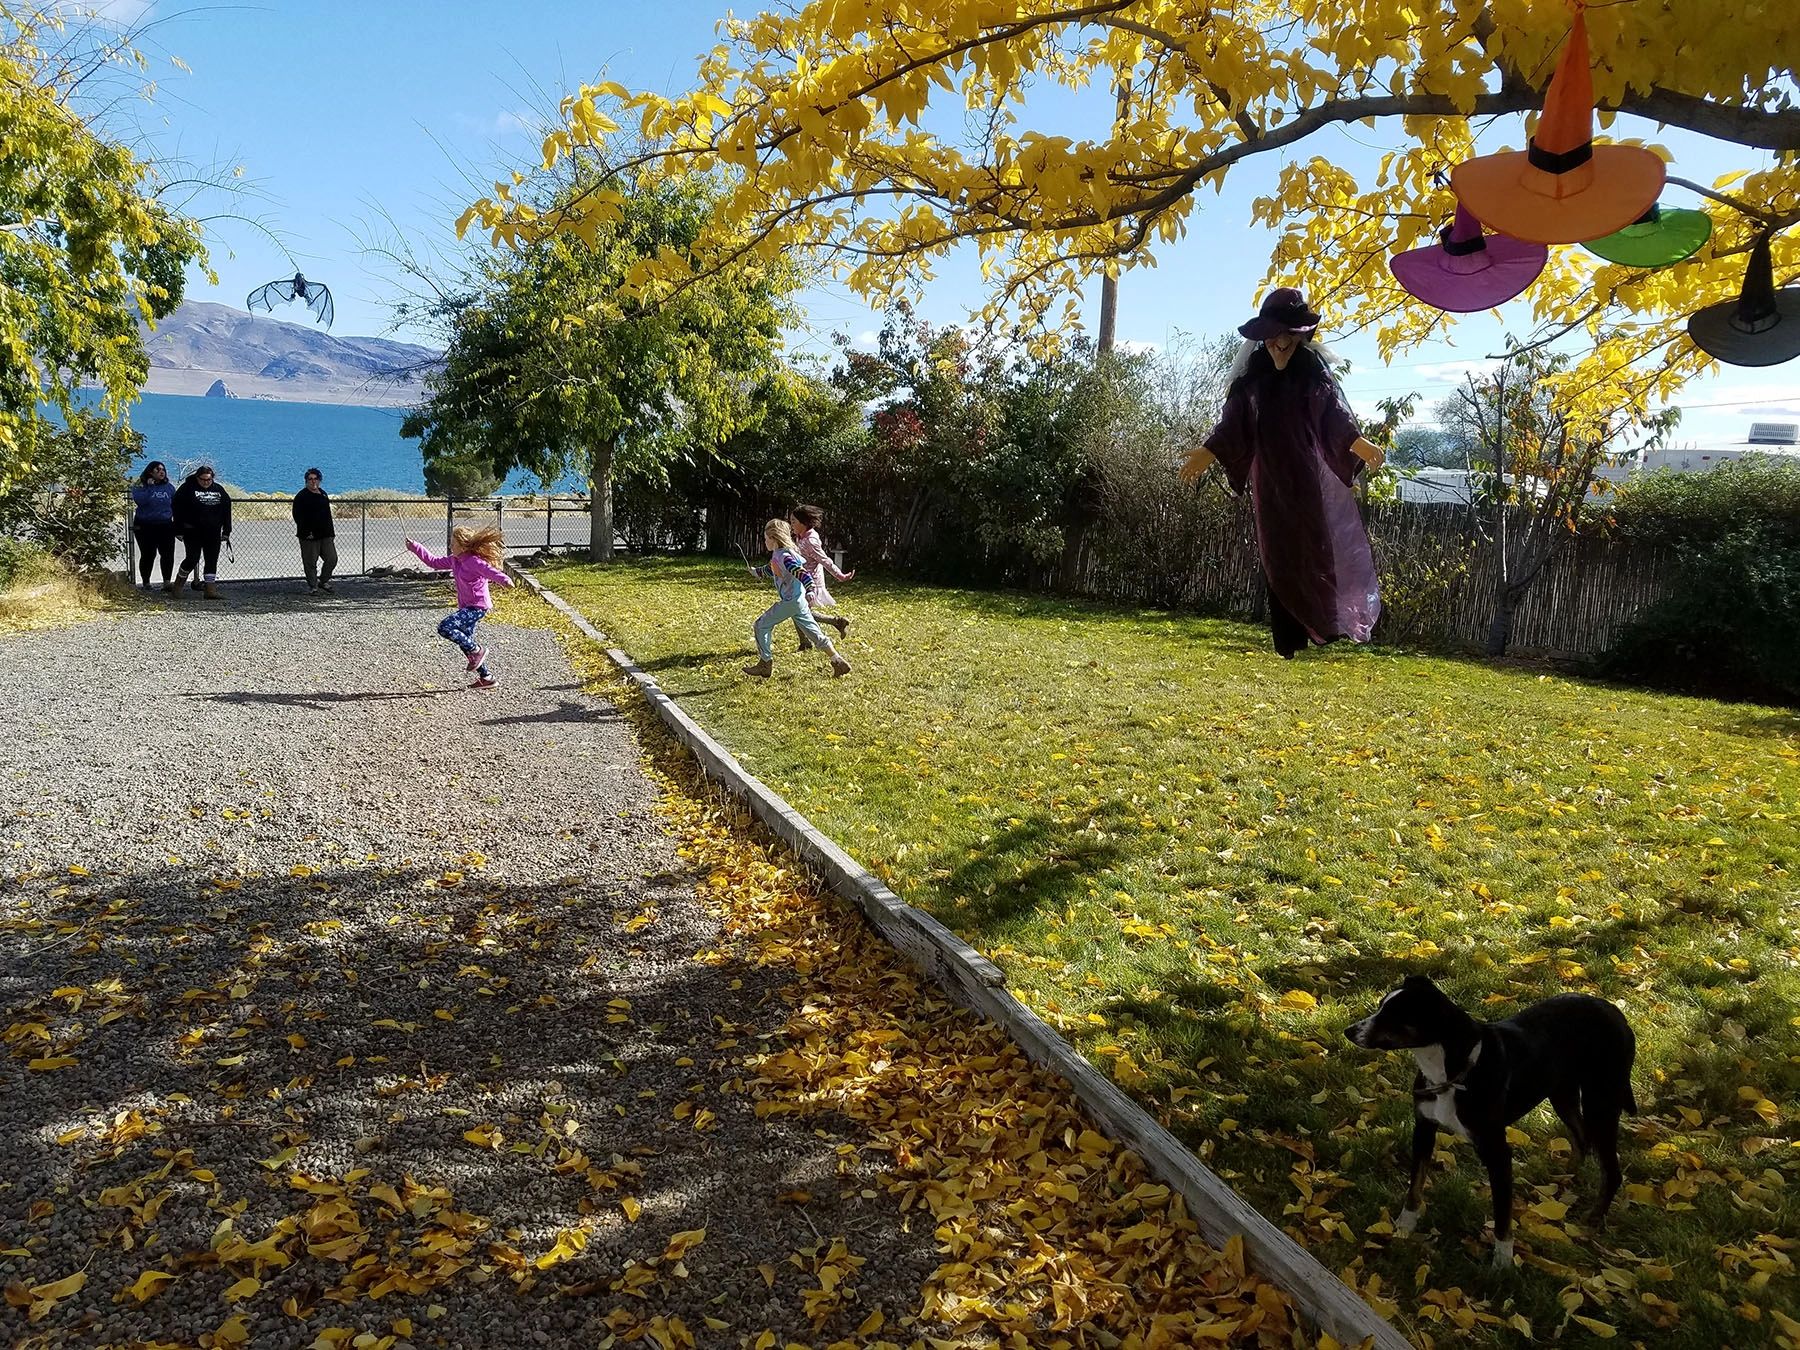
x: 315, y: 295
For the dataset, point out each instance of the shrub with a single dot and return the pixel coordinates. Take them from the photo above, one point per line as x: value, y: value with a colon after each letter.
x: 72, y: 503
x: 18, y: 560
x: 462, y: 476
x: 1698, y: 508
x: 1732, y: 627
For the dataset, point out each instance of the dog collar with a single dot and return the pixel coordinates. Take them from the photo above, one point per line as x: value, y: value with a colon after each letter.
x: 1432, y: 1091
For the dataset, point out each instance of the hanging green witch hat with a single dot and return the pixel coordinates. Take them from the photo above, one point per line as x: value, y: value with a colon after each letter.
x: 1658, y: 238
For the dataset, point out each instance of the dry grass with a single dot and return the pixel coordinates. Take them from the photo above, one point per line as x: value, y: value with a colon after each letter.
x: 48, y: 595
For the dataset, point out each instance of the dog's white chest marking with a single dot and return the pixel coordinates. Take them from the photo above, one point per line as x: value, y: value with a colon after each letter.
x: 1441, y: 1105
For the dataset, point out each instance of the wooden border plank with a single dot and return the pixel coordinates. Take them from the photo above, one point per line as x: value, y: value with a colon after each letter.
x: 1219, y: 1212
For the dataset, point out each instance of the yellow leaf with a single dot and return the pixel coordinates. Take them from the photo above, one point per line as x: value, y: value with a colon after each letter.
x: 148, y: 1284
x: 1298, y: 998
x: 69, y: 1284
x: 243, y: 1289
x: 49, y: 1062
x: 631, y: 1207
x: 1600, y: 1329
x: 682, y: 1243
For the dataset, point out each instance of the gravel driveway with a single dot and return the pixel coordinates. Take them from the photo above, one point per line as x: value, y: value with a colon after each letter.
x: 339, y: 999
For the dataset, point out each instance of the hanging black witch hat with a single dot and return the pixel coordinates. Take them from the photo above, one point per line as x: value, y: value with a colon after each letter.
x: 1761, y: 327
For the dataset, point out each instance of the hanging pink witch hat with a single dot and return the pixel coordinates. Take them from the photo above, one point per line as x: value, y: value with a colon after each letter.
x: 1562, y: 189
x: 1468, y: 270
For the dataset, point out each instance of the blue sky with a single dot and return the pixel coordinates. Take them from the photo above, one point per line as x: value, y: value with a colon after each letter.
x: 344, y: 115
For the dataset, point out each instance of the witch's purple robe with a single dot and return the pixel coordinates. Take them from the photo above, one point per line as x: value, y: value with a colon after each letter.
x: 1286, y: 435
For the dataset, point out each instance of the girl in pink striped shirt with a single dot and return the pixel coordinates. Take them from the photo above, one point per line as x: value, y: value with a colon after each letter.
x: 806, y: 521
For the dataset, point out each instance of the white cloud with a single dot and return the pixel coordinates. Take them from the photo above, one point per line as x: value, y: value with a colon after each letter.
x: 503, y: 124
x: 1451, y: 372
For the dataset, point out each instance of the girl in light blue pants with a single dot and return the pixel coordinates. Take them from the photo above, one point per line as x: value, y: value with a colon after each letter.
x: 788, y: 571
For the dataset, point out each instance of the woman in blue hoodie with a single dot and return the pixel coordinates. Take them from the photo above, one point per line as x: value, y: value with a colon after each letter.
x: 153, y: 522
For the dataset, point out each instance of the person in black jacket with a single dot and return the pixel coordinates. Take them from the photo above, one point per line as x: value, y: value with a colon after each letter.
x: 203, y: 518
x: 318, y: 536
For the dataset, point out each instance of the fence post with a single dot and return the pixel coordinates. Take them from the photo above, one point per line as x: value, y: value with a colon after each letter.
x: 500, y: 522
x: 449, y: 522
x: 365, y: 539
x: 549, y: 517
x: 130, y: 545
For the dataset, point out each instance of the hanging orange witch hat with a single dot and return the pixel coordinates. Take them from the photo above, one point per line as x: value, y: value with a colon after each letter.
x: 1562, y: 189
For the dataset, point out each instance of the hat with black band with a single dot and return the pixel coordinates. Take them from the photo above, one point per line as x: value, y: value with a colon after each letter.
x: 1562, y: 189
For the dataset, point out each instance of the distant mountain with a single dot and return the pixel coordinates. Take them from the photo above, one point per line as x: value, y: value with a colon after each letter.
x: 262, y: 357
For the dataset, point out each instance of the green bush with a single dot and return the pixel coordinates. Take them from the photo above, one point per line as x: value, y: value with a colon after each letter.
x: 464, y: 476
x: 1732, y: 626
x: 18, y: 560
x: 1699, y: 508
x: 72, y: 503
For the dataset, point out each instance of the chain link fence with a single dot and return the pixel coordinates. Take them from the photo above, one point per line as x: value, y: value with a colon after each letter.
x: 372, y: 532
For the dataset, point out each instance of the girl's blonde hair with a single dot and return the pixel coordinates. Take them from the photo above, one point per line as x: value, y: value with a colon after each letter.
x: 784, y: 535
x: 486, y: 543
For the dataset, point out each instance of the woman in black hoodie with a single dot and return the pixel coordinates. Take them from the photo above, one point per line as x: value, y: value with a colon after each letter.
x: 318, y: 536
x: 203, y: 516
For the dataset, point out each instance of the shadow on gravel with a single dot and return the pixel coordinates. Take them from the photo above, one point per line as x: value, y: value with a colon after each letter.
x: 565, y: 711
x: 320, y: 700
x: 291, y: 596
x: 401, y: 1085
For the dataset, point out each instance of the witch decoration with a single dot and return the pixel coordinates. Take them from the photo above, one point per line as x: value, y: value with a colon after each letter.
x: 315, y: 295
x: 1287, y: 436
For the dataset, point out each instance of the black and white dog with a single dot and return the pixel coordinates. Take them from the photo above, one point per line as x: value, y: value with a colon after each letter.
x: 1476, y: 1078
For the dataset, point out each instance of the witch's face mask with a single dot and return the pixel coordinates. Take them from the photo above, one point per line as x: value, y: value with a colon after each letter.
x: 1281, y: 349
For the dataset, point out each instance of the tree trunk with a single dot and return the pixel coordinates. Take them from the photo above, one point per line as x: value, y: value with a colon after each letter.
x: 1068, y: 575
x: 1506, y: 600
x: 600, y: 518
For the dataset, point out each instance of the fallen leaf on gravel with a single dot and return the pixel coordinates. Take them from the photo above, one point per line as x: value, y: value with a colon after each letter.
x: 243, y: 1289
x: 45, y: 1297
x: 569, y: 1242
x: 631, y: 1207
x: 53, y: 1062
x: 484, y: 1136
x: 683, y: 1243
x: 148, y: 1284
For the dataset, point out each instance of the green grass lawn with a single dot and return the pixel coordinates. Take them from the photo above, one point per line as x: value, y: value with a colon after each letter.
x: 1202, y: 863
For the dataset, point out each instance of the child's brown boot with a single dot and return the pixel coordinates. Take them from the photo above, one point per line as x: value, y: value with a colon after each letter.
x: 762, y: 669
x: 839, y: 667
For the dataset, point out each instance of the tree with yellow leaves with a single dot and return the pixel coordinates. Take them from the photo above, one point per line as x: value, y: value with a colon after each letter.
x: 87, y: 250
x: 820, y: 118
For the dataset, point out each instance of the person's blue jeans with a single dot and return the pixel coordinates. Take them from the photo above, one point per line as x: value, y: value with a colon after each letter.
x: 779, y: 613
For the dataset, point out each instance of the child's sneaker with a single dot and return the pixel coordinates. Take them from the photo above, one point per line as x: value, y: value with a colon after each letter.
x: 485, y: 682
x: 476, y: 657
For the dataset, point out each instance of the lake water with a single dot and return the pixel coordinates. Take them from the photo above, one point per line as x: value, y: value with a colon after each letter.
x: 261, y: 446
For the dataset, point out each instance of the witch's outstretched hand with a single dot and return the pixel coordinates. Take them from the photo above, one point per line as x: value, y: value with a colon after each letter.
x: 1196, y: 462
x: 1369, y: 453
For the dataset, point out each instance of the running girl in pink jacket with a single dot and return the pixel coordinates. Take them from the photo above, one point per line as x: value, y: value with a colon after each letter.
x: 475, y: 560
